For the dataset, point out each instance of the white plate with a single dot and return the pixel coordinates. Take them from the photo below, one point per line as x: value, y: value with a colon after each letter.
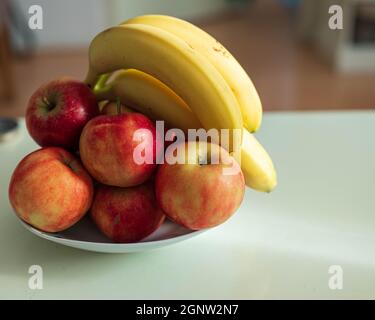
x: 85, y: 236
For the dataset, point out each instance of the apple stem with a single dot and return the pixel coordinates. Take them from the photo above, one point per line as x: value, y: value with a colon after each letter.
x: 49, y: 105
x: 45, y: 100
x: 118, y: 105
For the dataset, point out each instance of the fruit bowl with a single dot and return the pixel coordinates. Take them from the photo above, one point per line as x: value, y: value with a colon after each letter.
x: 122, y: 135
x: 85, y: 236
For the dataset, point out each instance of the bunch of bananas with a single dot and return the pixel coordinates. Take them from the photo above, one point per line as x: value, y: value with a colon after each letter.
x: 171, y: 70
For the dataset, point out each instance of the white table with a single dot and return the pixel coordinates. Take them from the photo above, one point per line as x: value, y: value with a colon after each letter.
x: 278, y: 245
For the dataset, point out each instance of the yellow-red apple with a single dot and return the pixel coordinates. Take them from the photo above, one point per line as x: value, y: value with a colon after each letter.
x: 203, y: 189
x: 126, y: 214
x: 108, y: 147
x: 50, y: 189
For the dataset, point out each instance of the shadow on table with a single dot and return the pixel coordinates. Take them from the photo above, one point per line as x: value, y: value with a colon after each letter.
x: 21, y: 249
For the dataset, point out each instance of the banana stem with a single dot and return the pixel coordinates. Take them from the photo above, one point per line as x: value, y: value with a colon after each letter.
x: 102, y: 81
x: 105, y: 93
x: 99, y: 86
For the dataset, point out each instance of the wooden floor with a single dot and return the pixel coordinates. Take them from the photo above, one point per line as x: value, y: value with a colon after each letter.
x: 288, y: 75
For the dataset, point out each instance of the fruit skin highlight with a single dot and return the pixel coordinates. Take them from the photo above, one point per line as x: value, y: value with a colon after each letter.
x: 50, y: 189
x: 58, y: 111
x: 126, y: 214
x: 107, y: 147
x: 199, y: 196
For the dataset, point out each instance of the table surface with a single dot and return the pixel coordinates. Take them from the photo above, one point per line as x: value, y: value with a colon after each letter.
x: 278, y: 245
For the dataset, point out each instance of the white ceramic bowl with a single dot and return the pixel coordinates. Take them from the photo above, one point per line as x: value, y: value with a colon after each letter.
x: 85, y: 236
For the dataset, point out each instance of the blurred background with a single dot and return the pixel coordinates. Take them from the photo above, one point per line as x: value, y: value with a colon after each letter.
x: 295, y: 60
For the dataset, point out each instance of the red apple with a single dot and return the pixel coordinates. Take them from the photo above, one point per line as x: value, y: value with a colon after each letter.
x: 198, y: 195
x: 50, y: 189
x: 126, y: 214
x: 58, y: 111
x: 107, y: 149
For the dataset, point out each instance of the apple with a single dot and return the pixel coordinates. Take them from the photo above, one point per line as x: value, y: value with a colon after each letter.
x: 58, y: 111
x: 126, y: 214
x: 107, y: 147
x: 111, y: 108
x: 197, y: 192
x: 50, y: 189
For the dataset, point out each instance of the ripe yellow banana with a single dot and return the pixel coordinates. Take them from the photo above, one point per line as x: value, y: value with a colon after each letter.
x: 171, y: 60
x: 151, y: 97
x: 219, y: 57
x: 256, y: 164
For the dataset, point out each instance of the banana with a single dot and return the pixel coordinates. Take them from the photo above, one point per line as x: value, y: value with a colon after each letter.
x: 151, y: 97
x: 256, y: 164
x: 219, y: 57
x: 171, y: 60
